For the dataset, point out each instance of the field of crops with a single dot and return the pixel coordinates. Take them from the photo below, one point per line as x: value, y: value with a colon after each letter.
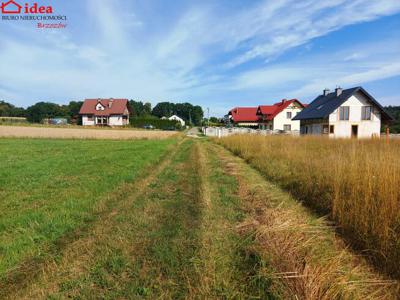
x: 356, y: 182
x: 79, y: 132
x: 177, y: 218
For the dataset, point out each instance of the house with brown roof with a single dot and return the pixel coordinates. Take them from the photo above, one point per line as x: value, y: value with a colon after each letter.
x: 105, y: 112
x: 279, y: 116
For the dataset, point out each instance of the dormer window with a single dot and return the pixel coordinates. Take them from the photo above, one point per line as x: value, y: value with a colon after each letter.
x: 99, y: 106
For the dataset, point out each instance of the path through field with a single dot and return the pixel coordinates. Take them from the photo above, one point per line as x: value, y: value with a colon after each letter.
x: 199, y: 226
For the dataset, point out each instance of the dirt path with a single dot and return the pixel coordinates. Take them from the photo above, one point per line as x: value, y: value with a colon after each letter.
x: 61, y: 133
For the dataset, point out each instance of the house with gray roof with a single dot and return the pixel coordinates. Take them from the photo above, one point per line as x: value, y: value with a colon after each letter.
x: 343, y: 114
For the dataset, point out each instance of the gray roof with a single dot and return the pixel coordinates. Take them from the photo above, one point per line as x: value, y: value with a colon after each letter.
x: 323, y: 106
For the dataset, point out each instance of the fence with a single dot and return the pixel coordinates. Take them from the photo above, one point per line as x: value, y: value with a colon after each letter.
x: 222, y: 132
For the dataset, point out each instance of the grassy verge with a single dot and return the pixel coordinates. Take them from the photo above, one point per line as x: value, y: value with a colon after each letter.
x: 295, y: 253
x: 50, y: 187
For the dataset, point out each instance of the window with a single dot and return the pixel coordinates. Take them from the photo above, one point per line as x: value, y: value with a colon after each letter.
x: 325, y: 129
x: 289, y: 115
x: 366, y: 112
x: 331, y: 128
x: 90, y: 118
x: 344, y: 112
x: 287, y: 127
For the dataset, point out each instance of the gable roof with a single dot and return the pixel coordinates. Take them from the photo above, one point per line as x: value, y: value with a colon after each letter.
x: 118, y: 107
x: 323, y: 106
x: 271, y: 111
x: 244, y: 114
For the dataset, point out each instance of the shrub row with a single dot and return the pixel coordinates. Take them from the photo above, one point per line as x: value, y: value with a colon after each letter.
x: 157, y: 123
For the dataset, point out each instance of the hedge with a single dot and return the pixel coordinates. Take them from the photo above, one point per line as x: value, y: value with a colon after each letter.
x: 157, y: 123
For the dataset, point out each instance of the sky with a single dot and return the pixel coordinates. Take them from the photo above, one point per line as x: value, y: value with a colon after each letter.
x: 215, y: 53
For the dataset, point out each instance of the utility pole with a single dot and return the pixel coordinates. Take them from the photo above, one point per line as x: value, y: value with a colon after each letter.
x: 190, y: 118
x: 208, y: 117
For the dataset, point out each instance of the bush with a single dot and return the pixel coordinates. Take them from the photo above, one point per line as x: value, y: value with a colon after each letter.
x: 12, y: 120
x: 156, y: 122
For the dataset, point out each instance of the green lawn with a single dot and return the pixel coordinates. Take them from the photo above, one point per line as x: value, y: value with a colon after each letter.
x: 49, y: 188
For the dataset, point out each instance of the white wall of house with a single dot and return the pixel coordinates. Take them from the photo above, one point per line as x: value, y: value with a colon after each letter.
x: 366, y: 128
x: 86, y: 121
x: 178, y: 119
x: 282, y: 119
x: 115, y: 120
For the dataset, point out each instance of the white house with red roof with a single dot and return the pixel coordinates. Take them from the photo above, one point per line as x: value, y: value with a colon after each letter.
x: 279, y: 116
x: 273, y: 117
x: 105, y: 112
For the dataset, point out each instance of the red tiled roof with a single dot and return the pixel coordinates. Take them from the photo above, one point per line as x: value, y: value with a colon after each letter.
x: 117, y: 107
x: 244, y: 114
x: 270, y: 111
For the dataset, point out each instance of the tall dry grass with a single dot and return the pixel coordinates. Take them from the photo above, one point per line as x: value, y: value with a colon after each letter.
x: 356, y: 182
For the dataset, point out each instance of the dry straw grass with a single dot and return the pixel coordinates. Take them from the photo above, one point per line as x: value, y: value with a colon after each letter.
x: 356, y: 182
x: 82, y: 133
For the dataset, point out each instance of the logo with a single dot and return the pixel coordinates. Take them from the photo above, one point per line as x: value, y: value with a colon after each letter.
x: 14, y: 11
x: 12, y: 7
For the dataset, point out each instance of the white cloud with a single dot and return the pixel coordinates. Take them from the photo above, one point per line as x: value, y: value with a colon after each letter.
x: 116, y: 51
x: 294, y: 24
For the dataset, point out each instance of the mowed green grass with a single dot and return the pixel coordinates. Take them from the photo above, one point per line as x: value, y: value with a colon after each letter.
x: 49, y: 188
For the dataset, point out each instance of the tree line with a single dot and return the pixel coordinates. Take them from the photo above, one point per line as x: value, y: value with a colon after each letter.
x: 191, y: 114
x: 394, y: 111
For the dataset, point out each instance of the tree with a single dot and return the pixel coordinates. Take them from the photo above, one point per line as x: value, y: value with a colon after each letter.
x: 147, y: 108
x: 197, y: 115
x: 164, y: 109
x: 139, y: 108
x: 394, y: 111
x: 188, y: 112
x: 215, y: 120
x: 74, y: 107
x: 41, y: 110
x: 9, y: 110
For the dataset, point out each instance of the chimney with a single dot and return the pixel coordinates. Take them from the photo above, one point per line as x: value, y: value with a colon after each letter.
x: 110, y: 102
x: 325, y: 92
x: 283, y: 101
x: 338, y: 91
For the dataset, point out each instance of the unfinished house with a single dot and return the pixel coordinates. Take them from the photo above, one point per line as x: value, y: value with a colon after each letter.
x: 343, y: 114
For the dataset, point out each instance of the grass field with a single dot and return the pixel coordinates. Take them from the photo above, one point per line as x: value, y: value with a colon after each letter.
x: 162, y: 219
x: 49, y: 187
x: 356, y: 182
